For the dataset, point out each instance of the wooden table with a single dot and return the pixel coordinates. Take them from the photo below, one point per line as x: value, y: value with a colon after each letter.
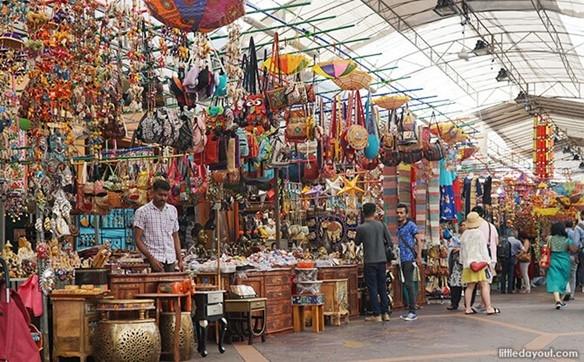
x: 126, y: 286
x: 351, y: 273
x: 174, y: 300
x: 316, y: 305
x: 240, y: 311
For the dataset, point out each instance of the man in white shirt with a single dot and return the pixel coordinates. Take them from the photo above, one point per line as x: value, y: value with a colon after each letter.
x: 156, y: 230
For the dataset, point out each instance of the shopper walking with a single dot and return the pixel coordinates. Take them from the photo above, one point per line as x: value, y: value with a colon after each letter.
x: 474, y: 250
x: 375, y: 239
x: 524, y: 260
x: 507, y: 250
x: 454, y: 267
x: 410, y: 251
x: 576, y: 234
x: 558, y: 273
x: 156, y: 230
x: 491, y: 237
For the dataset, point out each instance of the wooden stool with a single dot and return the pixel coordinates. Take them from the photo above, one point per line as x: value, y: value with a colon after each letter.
x: 303, y: 303
x: 243, y: 322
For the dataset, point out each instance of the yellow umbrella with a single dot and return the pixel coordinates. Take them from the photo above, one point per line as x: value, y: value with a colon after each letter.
x: 391, y: 102
x: 356, y: 80
x: 288, y: 64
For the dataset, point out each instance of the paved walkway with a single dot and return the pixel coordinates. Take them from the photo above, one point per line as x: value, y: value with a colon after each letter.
x: 526, y: 321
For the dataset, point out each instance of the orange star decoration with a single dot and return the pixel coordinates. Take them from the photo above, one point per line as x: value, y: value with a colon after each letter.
x: 350, y: 187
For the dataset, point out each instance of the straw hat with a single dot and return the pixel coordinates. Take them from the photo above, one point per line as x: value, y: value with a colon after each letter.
x: 473, y: 220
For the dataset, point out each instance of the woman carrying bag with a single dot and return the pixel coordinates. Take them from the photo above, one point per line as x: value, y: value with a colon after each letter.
x: 476, y: 264
x: 558, y: 272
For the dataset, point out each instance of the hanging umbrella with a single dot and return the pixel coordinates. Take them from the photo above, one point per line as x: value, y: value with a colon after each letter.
x: 358, y: 79
x: 335, y: 68
x: 196, y: 15
x: 288, y: 64
x: 391, y: 102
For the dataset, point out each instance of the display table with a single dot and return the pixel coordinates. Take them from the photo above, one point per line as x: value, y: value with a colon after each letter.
x: 351, y: 273
x: 336, y: 297
x: 74, y: 322
x: 126, y: 286
x: 274, y: 285
x: 244, y: 319
x: 177, y: 338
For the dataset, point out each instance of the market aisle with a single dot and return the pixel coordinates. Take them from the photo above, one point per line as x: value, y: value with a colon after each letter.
x: 527, y: 321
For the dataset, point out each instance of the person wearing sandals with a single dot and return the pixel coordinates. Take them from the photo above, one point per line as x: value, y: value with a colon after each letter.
x: 558, y: 273
x: 524, y: 259
x: 474, y: 250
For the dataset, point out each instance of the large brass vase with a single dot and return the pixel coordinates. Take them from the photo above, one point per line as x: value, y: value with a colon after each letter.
x: 186, y: 337
x: 127, y: 341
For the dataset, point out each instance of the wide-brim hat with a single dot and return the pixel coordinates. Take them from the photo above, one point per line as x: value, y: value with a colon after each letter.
x: 473, y: 220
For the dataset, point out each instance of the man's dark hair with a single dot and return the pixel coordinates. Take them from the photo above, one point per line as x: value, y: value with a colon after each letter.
x: 479, y: 210
x: 569, y: 224
x: 160, y: 185
x: 403, y: 206
x: 369, y: 209
x: 559, y: 229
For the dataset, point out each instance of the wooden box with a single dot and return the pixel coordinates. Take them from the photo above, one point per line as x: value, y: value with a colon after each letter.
x: 275, y: 286
x: 349, y: 272
x: 336, y: 303
x: 74, y: 321
x: 126, y: 286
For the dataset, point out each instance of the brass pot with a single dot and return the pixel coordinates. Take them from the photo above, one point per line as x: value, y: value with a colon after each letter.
x: 186, y: 335
x: 127, y: 341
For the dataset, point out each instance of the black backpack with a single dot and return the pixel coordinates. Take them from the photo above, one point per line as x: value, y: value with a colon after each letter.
x: 504, y: 249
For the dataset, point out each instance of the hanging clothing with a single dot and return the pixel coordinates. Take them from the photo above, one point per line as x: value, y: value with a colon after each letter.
x: 457, y: 190
x: 421, y: 195
x: 487, y: 190
x: 447, y: 203
x: 434, y: 203
x: 466, y: 192
x: 404, y: 184
x: 390, y: 198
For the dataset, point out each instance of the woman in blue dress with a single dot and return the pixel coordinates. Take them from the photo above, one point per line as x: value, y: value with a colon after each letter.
x: 558, y: 273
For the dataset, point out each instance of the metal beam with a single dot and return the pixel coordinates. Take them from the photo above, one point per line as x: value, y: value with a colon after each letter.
x: 552, y: 31
x: 407, y: 31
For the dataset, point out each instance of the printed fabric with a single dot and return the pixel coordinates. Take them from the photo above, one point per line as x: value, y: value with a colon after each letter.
x: 407, y: 241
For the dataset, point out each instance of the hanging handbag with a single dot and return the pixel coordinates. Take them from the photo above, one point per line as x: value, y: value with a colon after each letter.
x: 299, y: 125
x: 276, y: 95
x: 433, y: 151
x: 409, y: 143
x: 254, y: 112
x: 184, y: 138
x: 357, y: 135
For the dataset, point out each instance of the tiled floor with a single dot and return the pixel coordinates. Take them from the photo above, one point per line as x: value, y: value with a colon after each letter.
x: 528, y: 321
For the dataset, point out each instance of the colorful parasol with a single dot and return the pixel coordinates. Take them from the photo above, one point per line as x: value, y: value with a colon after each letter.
x: 358, y: 79
x: 288, y: 64
x: 335, y: 68
x: 196, y: 15
x: 391, y: 102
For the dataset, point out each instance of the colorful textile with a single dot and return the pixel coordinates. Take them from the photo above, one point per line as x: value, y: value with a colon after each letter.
x: 447, y: 206
x: 558, y: 273
x: 404, y: 184
x: 446, y: 176
x: 421, y: 198
x: 390, y: 198
x: 434, y: 204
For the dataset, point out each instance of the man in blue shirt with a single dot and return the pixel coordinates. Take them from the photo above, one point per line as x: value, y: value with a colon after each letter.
x: 410, y: 252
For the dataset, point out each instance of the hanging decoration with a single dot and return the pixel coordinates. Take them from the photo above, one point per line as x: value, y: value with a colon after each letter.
x: 391, y: 102
x: 543, y: 148
x: 287, y: 64
x: 197, y: 16
x: 335, y: 68
x: 356, y: 80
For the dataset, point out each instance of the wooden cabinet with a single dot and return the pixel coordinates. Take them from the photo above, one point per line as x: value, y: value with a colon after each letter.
x: 349, y: 272
x: 211, y: 279
x: 336, y: 299
x: 74, y: 321
x: 126, y: 286
x: 275, y: 286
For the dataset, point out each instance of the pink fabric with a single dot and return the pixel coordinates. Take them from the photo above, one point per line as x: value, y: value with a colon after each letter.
x: 31, y: 296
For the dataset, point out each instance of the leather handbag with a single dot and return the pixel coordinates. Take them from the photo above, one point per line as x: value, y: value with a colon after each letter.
x: 390, y: 155
x: 546, y: 254
x: 298, y: 125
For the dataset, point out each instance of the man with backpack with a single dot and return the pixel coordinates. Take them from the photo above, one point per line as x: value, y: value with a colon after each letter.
x: 507, y: 250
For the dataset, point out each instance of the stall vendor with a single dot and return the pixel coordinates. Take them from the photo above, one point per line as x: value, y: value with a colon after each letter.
x: 156, y: 230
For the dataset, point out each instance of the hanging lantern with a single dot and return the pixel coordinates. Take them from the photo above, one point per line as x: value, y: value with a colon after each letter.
x: 198, y: 15
x: 543, y: 148
x: 358, y: 79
